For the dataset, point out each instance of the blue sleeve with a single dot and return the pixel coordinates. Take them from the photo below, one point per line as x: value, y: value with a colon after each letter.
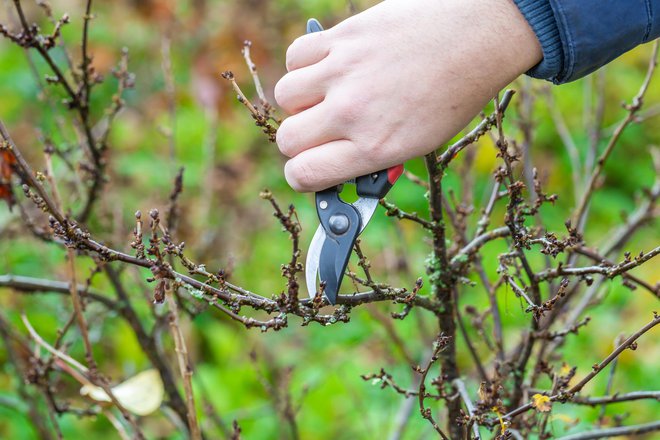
x: 579, y: 36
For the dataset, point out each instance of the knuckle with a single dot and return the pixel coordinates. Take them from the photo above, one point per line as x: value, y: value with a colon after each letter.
x: 299, y: 175
x: 370, y: 147
x: 346, y: 109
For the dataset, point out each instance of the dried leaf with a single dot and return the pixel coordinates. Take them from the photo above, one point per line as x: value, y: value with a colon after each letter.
x: 482, y: 392
x: 565, y: 369
x: 141, y: 394
x: 541, y: 403
x: 503, y: 423
x: 7, y: 159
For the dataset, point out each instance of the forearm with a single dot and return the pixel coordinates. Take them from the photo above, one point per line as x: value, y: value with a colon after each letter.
x: 488, y: 44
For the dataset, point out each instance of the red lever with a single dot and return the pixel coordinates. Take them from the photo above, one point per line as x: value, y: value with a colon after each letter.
x: 394, y: 173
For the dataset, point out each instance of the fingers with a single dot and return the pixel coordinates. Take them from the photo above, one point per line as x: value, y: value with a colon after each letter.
x: 321, y: 167
x: 301, y: 89
x: 306, y: 130
x: 330, y: 164
x: 307, y: 50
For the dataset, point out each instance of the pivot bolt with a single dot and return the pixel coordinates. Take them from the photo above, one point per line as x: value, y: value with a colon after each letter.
x: 338, y: 223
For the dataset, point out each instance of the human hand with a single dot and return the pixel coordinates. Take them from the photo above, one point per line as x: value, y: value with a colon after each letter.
x: 393, y: 83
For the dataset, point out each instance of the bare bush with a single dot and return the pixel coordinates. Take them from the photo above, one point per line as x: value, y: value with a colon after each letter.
x: 556, y: 274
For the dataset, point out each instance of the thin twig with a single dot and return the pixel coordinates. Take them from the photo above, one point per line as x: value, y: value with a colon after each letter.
x: 614, y: 432
x: 184, y: 365
x: 450, y: 153
x: 462, y: 391
x: 597, y: 368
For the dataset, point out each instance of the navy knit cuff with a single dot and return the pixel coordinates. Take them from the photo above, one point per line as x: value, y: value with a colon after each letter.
x: 540, y: 17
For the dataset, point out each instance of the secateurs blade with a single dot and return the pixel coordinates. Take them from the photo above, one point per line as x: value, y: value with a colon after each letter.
x: 342, y: 223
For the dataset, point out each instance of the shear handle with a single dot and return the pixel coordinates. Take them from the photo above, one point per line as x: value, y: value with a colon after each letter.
x: 377, y: 185
x: 313, y: 25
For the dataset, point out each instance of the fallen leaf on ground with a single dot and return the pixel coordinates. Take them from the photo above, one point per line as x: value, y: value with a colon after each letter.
x: 141, y: 394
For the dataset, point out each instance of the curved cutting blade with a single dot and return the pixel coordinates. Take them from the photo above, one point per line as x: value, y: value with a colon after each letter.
x: 366, y: 208
x: 312, y: 262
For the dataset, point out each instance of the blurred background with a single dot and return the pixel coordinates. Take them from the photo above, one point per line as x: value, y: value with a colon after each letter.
x: 182, y: 114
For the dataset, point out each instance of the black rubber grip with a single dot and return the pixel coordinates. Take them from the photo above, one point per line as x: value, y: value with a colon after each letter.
x: 377, y: 185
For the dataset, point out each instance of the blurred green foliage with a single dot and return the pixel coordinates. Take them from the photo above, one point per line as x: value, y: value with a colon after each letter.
x: 227, y: 162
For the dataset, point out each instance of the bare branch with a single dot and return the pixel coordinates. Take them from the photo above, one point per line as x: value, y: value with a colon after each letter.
x: 614, y: 432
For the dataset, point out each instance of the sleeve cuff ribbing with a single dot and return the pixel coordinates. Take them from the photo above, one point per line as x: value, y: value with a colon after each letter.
x: 540, y: 17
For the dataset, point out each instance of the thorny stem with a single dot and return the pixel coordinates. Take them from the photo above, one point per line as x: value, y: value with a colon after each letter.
x: 29, y: 175
x: 610, y: 378
x: 394, y: 211
x: 595, y: 256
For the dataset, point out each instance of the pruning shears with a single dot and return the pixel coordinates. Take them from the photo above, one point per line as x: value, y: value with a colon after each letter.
x: 342, y: 223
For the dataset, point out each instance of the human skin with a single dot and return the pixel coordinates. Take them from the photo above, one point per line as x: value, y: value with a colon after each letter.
x: 394, y: 82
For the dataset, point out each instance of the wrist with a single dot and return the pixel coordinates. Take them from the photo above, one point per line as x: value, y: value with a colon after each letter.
x: 541, y: 19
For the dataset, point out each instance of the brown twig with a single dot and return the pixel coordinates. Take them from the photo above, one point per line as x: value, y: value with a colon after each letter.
x: 451, y: 152
x: 597, y: 368
x: 462, y: 391
x: 614, y: 432
x: 185, y: 367
x: 439, y: 345
x: 261, y: 119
